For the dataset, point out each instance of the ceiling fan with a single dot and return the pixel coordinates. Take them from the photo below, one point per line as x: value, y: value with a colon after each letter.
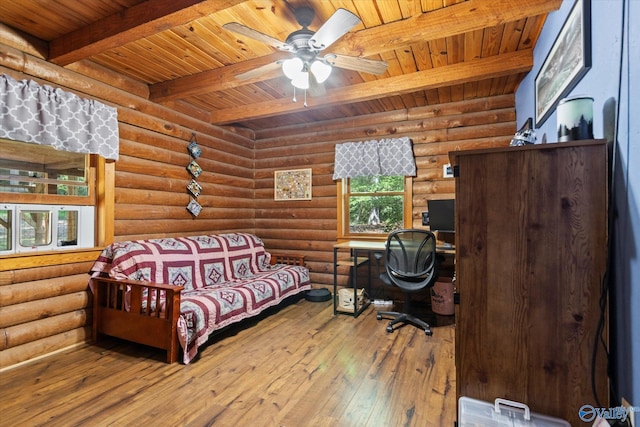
x: 307, y: 69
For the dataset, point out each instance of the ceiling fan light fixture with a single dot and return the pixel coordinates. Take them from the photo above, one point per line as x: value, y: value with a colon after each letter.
x: 292, y: 67
x: 305, y: 46
x: 321, y: 71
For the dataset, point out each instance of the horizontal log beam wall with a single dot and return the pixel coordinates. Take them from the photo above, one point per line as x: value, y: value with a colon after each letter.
x: 309, y: 227
x: 151, y: 179
x: 43, y: 309
x: 46, y: 308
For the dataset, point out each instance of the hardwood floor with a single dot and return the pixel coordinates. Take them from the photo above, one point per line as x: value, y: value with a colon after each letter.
x: 302, y: 366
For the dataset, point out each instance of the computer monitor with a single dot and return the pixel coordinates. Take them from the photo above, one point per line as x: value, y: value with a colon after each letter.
x: 442, y: 215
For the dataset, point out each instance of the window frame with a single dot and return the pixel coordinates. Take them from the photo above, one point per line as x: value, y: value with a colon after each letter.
x: 101, y: 195
x: 343, y: 194
x: 91, y: 161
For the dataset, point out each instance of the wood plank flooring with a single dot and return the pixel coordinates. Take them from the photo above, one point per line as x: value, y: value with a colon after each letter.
x: 301, y: 366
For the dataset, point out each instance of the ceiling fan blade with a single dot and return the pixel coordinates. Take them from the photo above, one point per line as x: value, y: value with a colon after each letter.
x: 355, y: 63
x: 315, y: 88
x: 336, y: 26
x: 259, y: 71
x: 256, y: 35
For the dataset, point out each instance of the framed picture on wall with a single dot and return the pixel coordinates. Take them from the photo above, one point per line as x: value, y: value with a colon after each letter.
x: 292, y: 184
x: 567, y: 62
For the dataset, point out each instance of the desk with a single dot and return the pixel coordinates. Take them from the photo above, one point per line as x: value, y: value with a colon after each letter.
x: 355, y: 246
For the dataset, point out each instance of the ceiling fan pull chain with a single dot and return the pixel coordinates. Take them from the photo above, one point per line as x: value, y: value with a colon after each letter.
x: 294, y: 94
x: 305, y: 97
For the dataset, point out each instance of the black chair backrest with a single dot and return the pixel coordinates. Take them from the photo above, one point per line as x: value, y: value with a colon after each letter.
x: 411, y: 259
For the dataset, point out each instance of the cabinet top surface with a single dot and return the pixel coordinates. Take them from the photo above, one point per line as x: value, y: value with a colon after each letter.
x: 554, y: 145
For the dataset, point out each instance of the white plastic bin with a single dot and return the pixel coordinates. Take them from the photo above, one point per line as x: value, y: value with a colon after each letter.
x: 502, y: 413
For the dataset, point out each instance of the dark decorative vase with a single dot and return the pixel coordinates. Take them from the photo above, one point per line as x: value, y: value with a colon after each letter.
x: 575, y: 118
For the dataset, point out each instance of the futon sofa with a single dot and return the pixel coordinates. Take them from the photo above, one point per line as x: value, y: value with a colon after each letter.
x: 161, y: 292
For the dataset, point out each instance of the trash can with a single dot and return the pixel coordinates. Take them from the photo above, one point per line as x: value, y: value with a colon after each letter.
x: 442, y: 297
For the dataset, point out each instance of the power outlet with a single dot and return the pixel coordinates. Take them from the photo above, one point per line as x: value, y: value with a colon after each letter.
x: 425, y: 218
x: 447, y: 171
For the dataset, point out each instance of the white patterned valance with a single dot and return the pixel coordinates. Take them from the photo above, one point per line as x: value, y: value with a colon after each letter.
x: 48, y: 116
x: 393, y: 156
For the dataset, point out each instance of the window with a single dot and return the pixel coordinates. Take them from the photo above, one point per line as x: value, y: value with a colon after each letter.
x: 48, y: 199
x: 6, y: 230
x: 32, y: 228
x: 54, y: 164
x: 35, y: 169
x: 374, y: 205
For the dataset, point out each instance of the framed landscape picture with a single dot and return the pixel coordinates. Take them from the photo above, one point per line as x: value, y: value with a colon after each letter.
x: 292, y: 184
x: 567, y: 62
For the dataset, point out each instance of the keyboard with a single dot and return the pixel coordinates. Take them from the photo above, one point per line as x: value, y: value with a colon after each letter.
x: 445, y: 246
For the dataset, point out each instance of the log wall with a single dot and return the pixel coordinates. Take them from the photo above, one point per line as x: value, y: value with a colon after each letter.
x: 44, y: 300
x: 310, y: 227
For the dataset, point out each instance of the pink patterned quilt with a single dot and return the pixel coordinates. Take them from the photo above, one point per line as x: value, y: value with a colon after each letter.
x: 226, y: 278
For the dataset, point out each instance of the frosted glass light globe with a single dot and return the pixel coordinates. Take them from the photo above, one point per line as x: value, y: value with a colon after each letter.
x: 302, y: 81
x: 321, y: 71
x: 292, y: 67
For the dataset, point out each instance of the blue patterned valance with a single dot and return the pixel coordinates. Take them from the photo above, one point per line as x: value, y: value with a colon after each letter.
x: 393, y: 156
x: 48, y: 116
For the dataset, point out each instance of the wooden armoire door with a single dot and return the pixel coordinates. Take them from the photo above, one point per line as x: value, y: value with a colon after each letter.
x: 531, y: 242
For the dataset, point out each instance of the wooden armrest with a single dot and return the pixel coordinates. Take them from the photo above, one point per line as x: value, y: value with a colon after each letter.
x: 289, y: 259
x: 140, y: 283
x: 130, y: 309
x: 109, y: 292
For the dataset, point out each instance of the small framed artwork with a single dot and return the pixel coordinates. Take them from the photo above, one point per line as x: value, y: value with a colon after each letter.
x: 194, y: 149
x: 194, y: 207
x: 567, y: 62
x: 194, y: 188
x: 194, y: 168
x: 292, y: 184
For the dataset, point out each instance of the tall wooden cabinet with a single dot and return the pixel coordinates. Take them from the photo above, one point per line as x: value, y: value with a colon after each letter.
x: 531, y: 237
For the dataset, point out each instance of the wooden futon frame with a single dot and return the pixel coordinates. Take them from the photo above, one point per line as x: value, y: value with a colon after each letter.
x: 144, y: 322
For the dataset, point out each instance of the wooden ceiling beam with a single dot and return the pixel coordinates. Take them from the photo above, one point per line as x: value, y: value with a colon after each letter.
x: 463, y: 72
x: 449, y: 21
x: 134, y: 23
x: 214, y: 80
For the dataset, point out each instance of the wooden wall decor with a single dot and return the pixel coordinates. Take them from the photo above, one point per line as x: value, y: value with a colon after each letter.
x: 195, y: 170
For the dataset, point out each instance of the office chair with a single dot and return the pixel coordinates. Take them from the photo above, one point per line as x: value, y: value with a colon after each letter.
x: 411, y: 265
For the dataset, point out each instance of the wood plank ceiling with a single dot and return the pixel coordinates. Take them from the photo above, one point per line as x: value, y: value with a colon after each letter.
x: 437, y: 51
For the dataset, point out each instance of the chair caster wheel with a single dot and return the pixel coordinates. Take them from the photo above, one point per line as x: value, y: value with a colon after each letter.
x: 428, y: 332
x: 389, y: 328
x: 378, y: 316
